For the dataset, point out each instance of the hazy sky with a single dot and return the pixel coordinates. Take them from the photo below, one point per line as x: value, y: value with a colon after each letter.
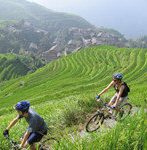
x: 127, y: 16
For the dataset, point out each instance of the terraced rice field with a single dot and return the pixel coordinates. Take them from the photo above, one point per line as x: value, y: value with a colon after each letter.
x: 63, y: 93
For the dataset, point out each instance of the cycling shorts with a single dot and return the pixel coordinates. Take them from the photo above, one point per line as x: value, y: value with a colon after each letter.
x: 34, y: 137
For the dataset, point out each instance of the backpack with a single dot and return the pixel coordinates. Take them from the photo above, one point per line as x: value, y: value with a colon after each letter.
x: 127, y: 87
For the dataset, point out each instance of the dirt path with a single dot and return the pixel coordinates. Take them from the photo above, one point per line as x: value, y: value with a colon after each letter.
x: 107, y: 124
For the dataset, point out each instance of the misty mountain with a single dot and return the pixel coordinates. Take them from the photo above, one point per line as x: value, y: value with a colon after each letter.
x: 38, y: 15
x: 127, y: 16
x: 27, y: 28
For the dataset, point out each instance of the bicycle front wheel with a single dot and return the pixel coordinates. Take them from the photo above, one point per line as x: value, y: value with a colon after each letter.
x: 49, y: 144
x: 95, y: 122
x: 125, y: 110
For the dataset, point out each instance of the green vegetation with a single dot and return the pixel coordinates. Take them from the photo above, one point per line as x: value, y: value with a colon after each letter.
x: 63, y: 93
x: 13, y: 66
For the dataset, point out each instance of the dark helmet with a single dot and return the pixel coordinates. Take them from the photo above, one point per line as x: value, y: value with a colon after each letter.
x: 118, y: 76
x: 22, y: 106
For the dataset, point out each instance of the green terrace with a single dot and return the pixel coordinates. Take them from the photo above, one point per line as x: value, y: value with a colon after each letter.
x: 63, y: 92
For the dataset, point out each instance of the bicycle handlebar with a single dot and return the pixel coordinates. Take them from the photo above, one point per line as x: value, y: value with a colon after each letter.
x: 12, y: 143
x: 104, y: 104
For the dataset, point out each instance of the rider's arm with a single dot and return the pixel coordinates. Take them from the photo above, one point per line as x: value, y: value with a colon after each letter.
x: 12, y: 123
x: 106, y: 89
x: 119, y: 94
x: 23, y: 142
x: 32, y: 125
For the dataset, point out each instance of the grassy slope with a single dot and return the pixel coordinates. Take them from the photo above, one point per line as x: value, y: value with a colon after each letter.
x: 11, y: 66
x: 14, y: 66
x: 65, y: 88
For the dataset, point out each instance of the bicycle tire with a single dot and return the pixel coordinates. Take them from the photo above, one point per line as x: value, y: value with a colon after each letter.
x: 49, y: 144
x: 95, y: 122
x: 125, y: 110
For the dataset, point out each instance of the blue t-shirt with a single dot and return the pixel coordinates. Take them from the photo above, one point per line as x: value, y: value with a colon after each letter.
x: 36, y: 123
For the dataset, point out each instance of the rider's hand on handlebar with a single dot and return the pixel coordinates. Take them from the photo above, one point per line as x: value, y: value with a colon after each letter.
x: 97, y: 97
x: 113, y: 106
x: 6, y: 133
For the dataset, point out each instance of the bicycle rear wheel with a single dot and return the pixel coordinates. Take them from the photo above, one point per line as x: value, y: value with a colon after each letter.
x: 95, y: 122
x: 125, y: 110
x: 49, y: 144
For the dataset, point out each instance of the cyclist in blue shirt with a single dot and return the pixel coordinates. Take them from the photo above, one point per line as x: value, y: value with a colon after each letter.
x: 37, y: 127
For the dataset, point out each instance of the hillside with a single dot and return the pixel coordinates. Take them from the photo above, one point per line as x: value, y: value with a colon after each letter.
x: 38, y: 15
x: 13, y: 66
x: 30, y: 28
x: 63, y: 93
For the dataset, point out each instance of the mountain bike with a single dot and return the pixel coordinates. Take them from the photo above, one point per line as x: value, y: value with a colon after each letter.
x: 47, y: 143
x: 118, y: 113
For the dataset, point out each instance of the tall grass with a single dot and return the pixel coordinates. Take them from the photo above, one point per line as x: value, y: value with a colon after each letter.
x: 130, y: 134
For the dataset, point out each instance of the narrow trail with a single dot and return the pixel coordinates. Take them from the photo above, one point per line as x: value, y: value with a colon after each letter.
x: 107, y: 124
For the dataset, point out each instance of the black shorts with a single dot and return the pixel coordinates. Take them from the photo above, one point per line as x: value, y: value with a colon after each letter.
x: 34, y: 137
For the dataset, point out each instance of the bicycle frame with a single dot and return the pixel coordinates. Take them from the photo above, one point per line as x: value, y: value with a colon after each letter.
x: 14, y: 145
x: 106, y: 109
x: 109, y: 107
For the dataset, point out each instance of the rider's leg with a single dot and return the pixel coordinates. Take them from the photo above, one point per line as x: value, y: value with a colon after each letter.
x: 22, y: 136
x: 111, y: 102
x: 113, y: 99
x: 122, y: 100
x: 33, y: 138
x: 118, y: 109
